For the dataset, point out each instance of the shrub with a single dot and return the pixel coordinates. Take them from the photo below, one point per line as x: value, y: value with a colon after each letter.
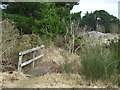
x: 100, y: 62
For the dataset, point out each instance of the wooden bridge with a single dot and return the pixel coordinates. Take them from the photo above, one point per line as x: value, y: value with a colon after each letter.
x: 36, y: 71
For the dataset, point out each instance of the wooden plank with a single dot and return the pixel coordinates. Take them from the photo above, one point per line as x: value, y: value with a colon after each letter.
x: 19, y: 64
x: 31, y: 50
x: 27, y: 62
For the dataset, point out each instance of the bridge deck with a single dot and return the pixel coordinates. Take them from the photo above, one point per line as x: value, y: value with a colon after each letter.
x: 43, y: 69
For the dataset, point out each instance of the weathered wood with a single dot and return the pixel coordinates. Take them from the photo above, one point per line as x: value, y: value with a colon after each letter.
x: 28, y: 62
x: 31, y: 50
x: 33, y: 64
x: 19, y: 63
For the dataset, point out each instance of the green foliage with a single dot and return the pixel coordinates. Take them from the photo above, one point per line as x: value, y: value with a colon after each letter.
x: 39, y: 18
x: 63, y: 9
x: 89, y: 20
x: 21, y: 22
x: 50, y: 25
x: 98, y: 18
x: 75, y: 17
x: 27, y: 9
x: 100, y: 62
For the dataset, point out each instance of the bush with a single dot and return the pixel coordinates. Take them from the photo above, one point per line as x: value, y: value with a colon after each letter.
x: 100, y: 62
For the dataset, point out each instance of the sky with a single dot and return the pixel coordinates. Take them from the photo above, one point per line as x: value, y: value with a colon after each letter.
x: 111, y: 6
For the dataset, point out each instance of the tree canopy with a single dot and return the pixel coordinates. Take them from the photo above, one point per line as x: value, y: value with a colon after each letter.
x: 51, y: 18
x: 98, y: 18
x: 40, y: 18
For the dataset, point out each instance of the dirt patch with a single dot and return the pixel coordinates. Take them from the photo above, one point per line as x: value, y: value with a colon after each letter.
x: 7, y: 79
x: 56, y: 81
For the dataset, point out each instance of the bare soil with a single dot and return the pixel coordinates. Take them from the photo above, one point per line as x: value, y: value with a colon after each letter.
x: 54, y: 80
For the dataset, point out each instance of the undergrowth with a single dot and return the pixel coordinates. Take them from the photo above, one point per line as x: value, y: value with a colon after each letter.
x: 101, y: 62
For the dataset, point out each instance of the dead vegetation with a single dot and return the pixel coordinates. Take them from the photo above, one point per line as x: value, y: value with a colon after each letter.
x: 8, y: 78
x: 54, y: 80
x: 13, y: 43
x: 63, y: 59
x: 66, y: 75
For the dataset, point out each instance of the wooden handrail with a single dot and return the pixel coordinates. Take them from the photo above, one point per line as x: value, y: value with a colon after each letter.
x: 28, y: 62
x: 20, y: 64
x: 31, y: 50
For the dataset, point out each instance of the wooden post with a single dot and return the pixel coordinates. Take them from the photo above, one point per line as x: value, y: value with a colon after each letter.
x: 19, y: 64
x: 33, y: 64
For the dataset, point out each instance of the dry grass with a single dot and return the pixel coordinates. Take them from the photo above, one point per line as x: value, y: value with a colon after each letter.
x: 7, y: 79
x: 51, y: 81
x: 13, y: 43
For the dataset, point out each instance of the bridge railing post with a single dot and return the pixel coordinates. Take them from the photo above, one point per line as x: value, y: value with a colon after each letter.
x: 19, y: 63
x: 33, y: 63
